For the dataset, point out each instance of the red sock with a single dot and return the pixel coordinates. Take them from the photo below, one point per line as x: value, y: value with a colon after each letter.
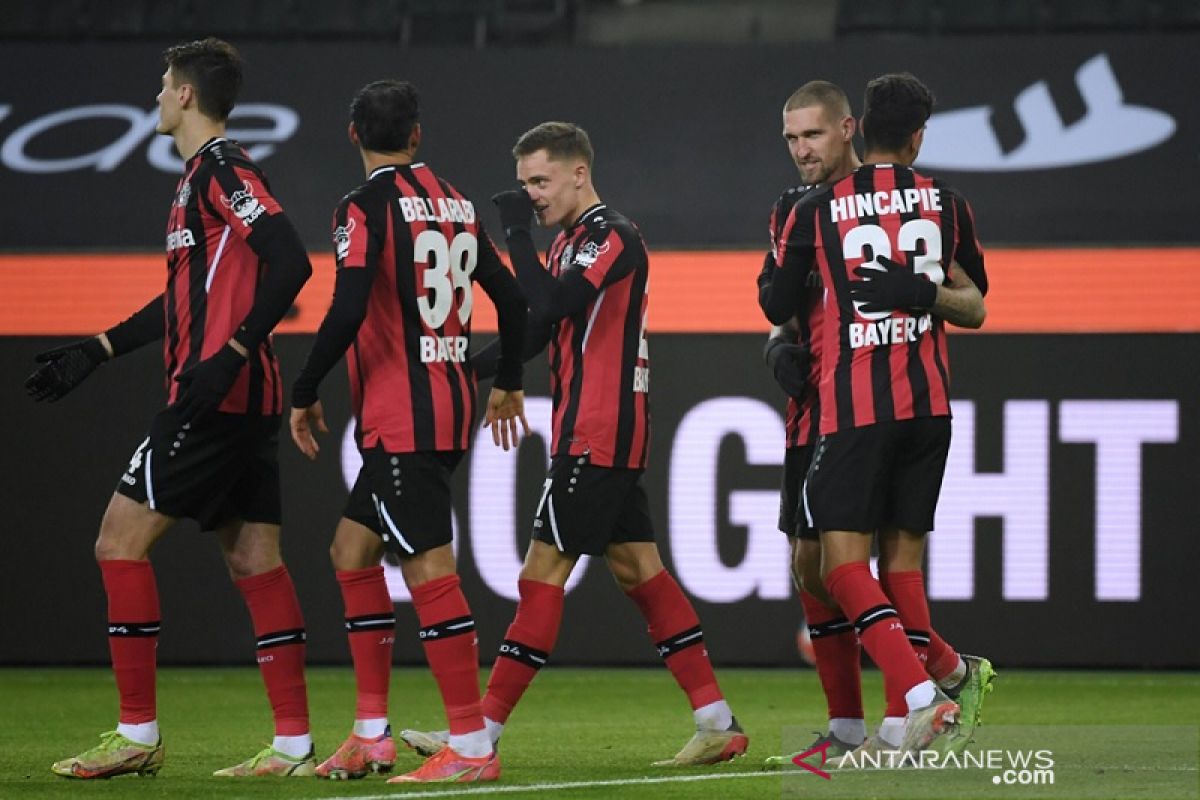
x: 279, y: 629
x: 371, y: 629
x: 133, y: 620
x: 906, y: 590
x: 527, y: 645
x: 451, y: 648
x: 942, y: 657
x: 838, y: 657
x: 675, y: 630
x: 877, y: 623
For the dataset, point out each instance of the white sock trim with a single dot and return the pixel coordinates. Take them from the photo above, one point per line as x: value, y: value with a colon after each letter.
x: 293, y: 746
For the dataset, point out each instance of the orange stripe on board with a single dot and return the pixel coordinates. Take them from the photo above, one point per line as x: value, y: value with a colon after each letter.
x: 1134, y: 290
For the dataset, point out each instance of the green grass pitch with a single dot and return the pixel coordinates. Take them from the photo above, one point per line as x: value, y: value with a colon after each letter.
x: 592, y: 733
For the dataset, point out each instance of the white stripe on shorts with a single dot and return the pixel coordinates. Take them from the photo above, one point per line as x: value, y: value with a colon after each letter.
x: 391, y: 525
x: 150, y: 481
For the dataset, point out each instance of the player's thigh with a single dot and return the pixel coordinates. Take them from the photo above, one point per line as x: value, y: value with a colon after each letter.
x: 355, y: 545
x: 129, y: 529
x: 846, y: 489
x: 915, y: 477
x: 187, y: 471
x: 545, y: 563
x: 405, y: 498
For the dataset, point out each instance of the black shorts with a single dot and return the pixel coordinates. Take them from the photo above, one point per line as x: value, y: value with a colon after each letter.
x: 792, y: 520
x: 584, y: 508
x: 886, y: 475
x: 222, y: 468
x: 405, y: 498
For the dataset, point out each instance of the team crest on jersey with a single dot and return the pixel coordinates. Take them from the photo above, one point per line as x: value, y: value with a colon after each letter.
x: 185, y: 194
x: 244, y: 204
x: 341, y: 238
x: 588, y: 254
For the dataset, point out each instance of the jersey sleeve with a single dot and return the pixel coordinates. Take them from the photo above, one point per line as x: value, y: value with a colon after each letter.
x: 239, y: 196
x: 969, y: 253
x: 604, y: 257
x: 780, y: 295
x: 354, y: 242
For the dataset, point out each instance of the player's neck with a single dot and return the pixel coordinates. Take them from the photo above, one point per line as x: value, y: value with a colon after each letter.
x: 889, y: 157
x: 586, y: 200
x: 851, y: 164
x: 374, y: 159
x: 193, y: 132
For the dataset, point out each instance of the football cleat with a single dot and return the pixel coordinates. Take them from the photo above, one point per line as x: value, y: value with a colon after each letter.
x: 970, y: 696
x: 447, y: 766
x: 358, y: 756
x: 710, y: 747
x: 426, y: 743
x: 272, y: 762
x: 924, y: 725
x: 115, y: 755
x: 835, y: 750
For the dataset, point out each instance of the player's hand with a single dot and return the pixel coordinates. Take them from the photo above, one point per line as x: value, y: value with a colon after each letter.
x: 303, y: 422
x: 64, y: 368
x: 789, y: 364
x: 895, y: 286
x: 516, y: 210
x: 204, y: 385
x: 504, y: 408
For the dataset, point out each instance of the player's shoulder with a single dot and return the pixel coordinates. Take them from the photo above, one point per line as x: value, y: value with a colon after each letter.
x: 790, y: 196
x: 223, y: 155
x: 601, y: 220
x: 946, y: 189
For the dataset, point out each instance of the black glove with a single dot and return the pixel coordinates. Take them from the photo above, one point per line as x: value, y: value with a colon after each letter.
x: 789, y: 363
x: 204, y: 385
x: 516, y: 210
x: 64, y: 368
x: 896, y: 287
x: 767, y: 272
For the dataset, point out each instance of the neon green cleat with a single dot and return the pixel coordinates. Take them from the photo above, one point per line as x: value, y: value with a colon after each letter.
x: 272, y: 762
x: 975, y: 688
x: 833, y: 752
x: 115, y: 755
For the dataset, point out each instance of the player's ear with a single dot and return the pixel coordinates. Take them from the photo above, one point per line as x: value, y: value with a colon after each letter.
x: 848, y: 126
x: 414, y: 138
x: 187, y: 95
x: 918, y: 138
x: 581, y: 175
x: 352, y: 134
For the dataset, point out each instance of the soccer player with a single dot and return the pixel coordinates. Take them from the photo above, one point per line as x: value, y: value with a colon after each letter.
x: 819, y: 130
x: 234, y: 266
x: 589, y: 303
x: 409, y: 247
x: 884, y: 382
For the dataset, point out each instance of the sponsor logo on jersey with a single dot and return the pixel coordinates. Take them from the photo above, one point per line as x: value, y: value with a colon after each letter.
x: 341, y: 238
x: 180, y: 237
x: 436, y: 349
x: 244, y: 204
x: 589, y: 252
x: 1110, y: 128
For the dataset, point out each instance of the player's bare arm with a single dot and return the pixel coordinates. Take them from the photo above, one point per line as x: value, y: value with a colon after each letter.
x: 959, y: 301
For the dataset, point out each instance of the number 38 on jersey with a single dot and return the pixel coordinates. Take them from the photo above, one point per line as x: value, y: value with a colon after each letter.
x: 447, y: 267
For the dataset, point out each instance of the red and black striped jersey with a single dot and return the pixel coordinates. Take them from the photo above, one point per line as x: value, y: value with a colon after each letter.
x: 599, y: 359
x: 802, y: 415
x: 411, y: 381
x: 888, y: 365
x: 213, y: 275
